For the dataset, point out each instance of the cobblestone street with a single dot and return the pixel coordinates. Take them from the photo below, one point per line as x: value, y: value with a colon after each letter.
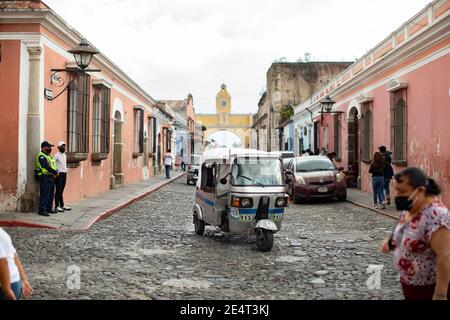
x: 149, y: 251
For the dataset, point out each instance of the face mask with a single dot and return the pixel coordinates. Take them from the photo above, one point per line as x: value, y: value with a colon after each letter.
x: 404, y: 203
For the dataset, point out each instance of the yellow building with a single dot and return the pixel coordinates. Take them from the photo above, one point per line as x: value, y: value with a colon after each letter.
x: 223, y: 120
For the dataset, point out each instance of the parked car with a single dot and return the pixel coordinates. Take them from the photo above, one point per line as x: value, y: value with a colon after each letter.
x: 193, y: 168
x: 315, y: 177
x: 286, y: 157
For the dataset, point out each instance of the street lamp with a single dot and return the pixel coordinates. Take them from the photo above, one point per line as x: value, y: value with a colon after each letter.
x: 327, y: 106
x: 83, y: 54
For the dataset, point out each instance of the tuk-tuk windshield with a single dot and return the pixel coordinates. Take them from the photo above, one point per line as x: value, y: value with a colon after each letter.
x: 257, y: 172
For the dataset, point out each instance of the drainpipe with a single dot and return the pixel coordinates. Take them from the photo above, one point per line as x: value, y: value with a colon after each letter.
x: 311, y: 113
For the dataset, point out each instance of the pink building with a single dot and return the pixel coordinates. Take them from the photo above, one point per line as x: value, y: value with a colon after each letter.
x: 397, y: 95
x: 112, y: 127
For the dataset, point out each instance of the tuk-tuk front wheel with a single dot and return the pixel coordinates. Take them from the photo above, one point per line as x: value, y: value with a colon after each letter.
x: 199, y: 225
x: 264, y: 240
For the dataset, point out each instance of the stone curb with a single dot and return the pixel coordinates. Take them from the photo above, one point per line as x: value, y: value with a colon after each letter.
x: 102, y: 216
x: 373, y: 209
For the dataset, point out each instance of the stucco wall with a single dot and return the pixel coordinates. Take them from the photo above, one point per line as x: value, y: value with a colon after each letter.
x: 9, y: 122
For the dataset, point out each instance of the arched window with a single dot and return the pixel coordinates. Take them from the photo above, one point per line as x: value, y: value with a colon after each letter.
x: 398, y: 125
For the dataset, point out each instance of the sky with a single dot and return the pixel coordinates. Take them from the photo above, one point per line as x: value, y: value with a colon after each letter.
x: 175, y: 47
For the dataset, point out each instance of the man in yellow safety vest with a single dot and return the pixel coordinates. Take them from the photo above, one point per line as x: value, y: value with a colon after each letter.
x: 46, y: 172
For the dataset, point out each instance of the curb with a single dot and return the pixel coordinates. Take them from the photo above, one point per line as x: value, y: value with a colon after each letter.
x: 104, y: 215
x: 23, y: 224
x: 373, y: 209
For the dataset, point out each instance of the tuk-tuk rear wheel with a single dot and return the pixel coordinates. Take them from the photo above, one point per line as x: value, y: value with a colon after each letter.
x: 199, y: 225
x: 264, y: 240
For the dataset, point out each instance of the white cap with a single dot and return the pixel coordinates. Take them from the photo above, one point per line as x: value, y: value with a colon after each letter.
x: 61, y: 143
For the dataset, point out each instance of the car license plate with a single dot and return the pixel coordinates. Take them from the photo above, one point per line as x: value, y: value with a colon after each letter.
x: 322, y: 189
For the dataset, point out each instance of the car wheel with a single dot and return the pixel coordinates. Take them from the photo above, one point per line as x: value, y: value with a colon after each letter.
x: 294, y: 198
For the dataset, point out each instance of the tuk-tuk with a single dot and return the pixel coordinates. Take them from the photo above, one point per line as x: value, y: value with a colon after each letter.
x: 242, y: 191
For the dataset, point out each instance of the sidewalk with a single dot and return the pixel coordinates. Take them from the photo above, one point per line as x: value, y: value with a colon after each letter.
x: 365, y: 200
x: 88, y: 211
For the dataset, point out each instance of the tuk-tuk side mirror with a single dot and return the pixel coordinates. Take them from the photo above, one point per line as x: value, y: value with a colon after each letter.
x: 224, y: 180
x: 288, y: 171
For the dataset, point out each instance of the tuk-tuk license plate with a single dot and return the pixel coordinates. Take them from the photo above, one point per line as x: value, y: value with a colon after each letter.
x: 322, y: 189
x: 246, y: 217
x: 276, y: 217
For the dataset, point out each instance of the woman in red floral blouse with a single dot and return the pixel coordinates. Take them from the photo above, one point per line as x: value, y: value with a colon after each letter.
x: 421, y: 239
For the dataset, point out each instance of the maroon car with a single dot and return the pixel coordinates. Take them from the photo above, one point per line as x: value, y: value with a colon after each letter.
x: 315, y: 177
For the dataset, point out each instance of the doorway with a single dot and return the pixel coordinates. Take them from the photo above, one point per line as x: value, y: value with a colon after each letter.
x: 353, y: 147
x: 316, y: 138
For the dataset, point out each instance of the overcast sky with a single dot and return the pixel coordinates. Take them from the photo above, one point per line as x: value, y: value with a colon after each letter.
x: 175, y: 47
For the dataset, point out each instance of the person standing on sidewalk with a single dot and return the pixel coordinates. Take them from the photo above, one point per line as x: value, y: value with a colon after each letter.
x: 388, y: 172
x: 168, y: 163
x: 60, y: 180
x: 377, y: 170
x: 421, y: 239
x: 46, y: 172
x: 13, y: 280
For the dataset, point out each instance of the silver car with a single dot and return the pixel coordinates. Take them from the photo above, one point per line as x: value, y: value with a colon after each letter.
x: 193, y: 168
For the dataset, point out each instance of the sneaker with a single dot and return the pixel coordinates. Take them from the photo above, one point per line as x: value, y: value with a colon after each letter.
x: 66, y: 208
x: 383, y: 206
x: 375, y: 206
x: 52, y: 211
x: 388, y: 201
x: 59, y: 209
x: 43, y: 213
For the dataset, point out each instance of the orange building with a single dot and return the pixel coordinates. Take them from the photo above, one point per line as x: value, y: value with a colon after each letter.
x: 113, y: 128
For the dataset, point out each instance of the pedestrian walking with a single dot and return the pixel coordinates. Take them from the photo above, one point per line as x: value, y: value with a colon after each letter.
x: 61, y: 178
x: 388, y: 172
x: 377, y: 170
x: 421, y: 239
x: 13, y: 279
x: 168, y: 163
x: 46, y: 172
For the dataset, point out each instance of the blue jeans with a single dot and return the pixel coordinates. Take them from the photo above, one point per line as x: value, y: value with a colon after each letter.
x: 378, y: 190
x: 16, y: 287
x: 46, y: 192
x: 167, y: 171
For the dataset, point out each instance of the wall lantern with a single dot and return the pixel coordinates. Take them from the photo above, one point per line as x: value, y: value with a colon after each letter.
x: 83, y: 55
x: 327, y: 106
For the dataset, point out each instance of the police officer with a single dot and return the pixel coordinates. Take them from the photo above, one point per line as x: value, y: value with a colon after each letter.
x: 46, y: 172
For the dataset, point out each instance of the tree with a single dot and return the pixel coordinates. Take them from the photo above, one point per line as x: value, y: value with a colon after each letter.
x: 286, y: 112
